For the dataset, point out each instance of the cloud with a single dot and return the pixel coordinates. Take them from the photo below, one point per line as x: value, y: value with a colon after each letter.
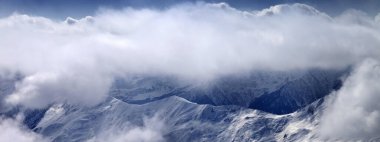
x: 151, y: 131
x: 40, y: 89
x: 74, y: 61
x: 354, y: 113
x: 12, y: 130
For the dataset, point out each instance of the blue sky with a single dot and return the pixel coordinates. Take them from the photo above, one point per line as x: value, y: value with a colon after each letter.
x: 79, y: 8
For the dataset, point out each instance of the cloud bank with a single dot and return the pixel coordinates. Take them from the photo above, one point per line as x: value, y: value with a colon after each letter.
x: 74, y: 61
x: 12, y: 130
x: 151, y: 131
x: 354, y: 114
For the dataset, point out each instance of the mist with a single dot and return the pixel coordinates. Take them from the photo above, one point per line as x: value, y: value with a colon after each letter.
x: 354, y: 111
x: 192, y: 41
x: 152, y: 131
x: 13, y: 130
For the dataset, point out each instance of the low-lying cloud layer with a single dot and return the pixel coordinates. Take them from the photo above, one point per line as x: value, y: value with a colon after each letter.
x: 75, y: 61
x: 12, y: 130
x: 354, y: 114
x: 152, y: 131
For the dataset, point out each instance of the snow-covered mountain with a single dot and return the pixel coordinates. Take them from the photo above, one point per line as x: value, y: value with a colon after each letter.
x: 271, y: 106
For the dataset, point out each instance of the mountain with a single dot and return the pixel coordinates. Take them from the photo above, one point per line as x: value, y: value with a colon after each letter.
x: 261, y: 106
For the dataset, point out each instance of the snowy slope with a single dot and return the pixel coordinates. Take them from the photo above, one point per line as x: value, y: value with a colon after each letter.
x: 274, y: 92
x: 163, y: 109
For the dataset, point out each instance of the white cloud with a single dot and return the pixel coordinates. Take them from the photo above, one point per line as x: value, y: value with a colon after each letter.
x: 40, y: 89
x: 75, y: 62
x: 354, y: 112
x: 152, y: 131
x: 13, y: 131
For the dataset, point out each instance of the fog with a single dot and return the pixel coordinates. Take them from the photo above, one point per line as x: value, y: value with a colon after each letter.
x: 354, y: 112
x: 13, y: 130
x: 153, y: 130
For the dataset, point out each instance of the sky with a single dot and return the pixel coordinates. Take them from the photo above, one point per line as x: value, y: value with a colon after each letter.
x: 60, y: 9
x: 75, y: 60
